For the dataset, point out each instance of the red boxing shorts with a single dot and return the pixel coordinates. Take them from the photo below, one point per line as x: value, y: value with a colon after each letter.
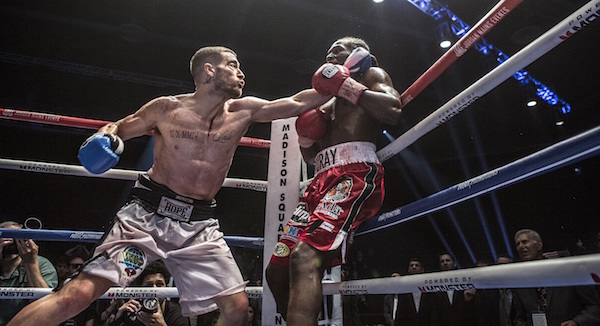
x: 346, y: 190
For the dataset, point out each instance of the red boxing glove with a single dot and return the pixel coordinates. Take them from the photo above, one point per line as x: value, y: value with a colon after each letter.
x: 312, y: 124
x: 332, y: 79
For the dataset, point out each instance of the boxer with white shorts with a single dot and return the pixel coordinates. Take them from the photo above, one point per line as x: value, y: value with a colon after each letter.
x: 169, y: 214
x: 154, y: 225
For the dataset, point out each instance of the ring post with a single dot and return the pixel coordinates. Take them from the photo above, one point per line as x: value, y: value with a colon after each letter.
x: 282, y: 198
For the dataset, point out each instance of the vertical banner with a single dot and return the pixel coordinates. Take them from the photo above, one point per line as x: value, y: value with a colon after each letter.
x: 282, y: 197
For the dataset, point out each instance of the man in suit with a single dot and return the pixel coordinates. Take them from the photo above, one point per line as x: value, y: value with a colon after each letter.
x: 494, y: 305
x: 564, y: 306
x: 415, y: 309
x: 505, y: 296
x: 455, y: 308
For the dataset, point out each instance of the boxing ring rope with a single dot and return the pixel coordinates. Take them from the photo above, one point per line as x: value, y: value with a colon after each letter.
x: 112, y: 293
x: 566, y: 152
x: 540, y: 46
x: 489, y: 21
x: 59, y: 120
x: 569, y: 151
x: 581, y: 270
x: 567, y: 271
x: 94, y: 236
x: 521, y: 59
x: 119, y: 174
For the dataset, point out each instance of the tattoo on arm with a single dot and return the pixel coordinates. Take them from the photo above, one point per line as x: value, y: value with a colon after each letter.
x: 223, y: 136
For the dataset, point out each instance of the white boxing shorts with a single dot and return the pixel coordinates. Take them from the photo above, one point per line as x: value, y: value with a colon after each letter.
x: 195, y: 253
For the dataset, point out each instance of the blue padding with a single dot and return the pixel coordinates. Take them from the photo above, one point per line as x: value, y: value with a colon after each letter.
x: 556, y: 156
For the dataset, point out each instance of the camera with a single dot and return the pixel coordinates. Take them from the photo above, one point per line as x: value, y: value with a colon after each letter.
x: 149, y: 305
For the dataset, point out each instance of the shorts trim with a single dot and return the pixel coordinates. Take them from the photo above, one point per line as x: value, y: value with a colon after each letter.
x: 344, y: 154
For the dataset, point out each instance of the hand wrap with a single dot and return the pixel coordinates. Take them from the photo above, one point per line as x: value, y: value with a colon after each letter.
x: 332, y: 79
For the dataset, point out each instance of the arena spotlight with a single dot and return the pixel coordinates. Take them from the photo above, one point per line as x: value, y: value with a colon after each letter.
x: 388, y: 136
x: 439, y: 12
x: 443, y: 34
x: 530, y: 96
x: 559, y: 119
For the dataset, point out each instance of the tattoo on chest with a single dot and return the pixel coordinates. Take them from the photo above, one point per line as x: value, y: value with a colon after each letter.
x: 223, y: 136
x: 184, y: 134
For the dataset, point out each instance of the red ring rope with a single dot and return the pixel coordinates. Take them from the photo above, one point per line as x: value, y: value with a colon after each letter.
x: 483, y: 26
x: 59, y: 120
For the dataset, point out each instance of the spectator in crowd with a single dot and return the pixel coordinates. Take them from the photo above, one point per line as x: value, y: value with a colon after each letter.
x: 455, y: 307
x: 563, y: 305
x: 256, y: 305
x: 351, y: 304
x: 76, y: 259
x: 252, y: 314
x: 22, y: 267
x: 493, y: 305
x: 107, y: 310
x: 140, y: 312
x: 482, y: 263
x: 504, y: 259
x: 62, y: 270
x: 411, y: 309
x: 505, y: 312
x: 390, y: 305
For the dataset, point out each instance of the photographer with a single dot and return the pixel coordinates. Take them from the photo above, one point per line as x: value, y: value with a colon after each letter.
x: 22, y: 267
x: 149, y: 311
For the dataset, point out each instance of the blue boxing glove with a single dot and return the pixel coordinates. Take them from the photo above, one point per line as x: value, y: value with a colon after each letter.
x: 100, y: 152
x: 358, y: 61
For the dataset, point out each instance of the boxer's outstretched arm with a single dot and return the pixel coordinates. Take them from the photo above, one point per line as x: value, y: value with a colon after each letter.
x: 266, y: 111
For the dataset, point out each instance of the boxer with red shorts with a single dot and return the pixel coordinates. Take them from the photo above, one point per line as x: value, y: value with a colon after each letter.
x: 346, y: 190
x: 339, y: 138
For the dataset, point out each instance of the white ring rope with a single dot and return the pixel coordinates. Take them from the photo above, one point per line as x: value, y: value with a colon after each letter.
x: 581, y: 270
x: 112, y: 293
x: 568, y: 271
x: 119, y: 174
x: 578, y: 20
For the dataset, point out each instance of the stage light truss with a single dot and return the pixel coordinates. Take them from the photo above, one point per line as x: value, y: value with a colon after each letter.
x: 441, y: 12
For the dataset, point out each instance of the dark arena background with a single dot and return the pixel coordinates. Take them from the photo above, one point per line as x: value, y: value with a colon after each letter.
x: 104, y: 59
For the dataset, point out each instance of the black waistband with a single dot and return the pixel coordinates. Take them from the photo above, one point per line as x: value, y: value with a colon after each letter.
x: 165, y: 202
